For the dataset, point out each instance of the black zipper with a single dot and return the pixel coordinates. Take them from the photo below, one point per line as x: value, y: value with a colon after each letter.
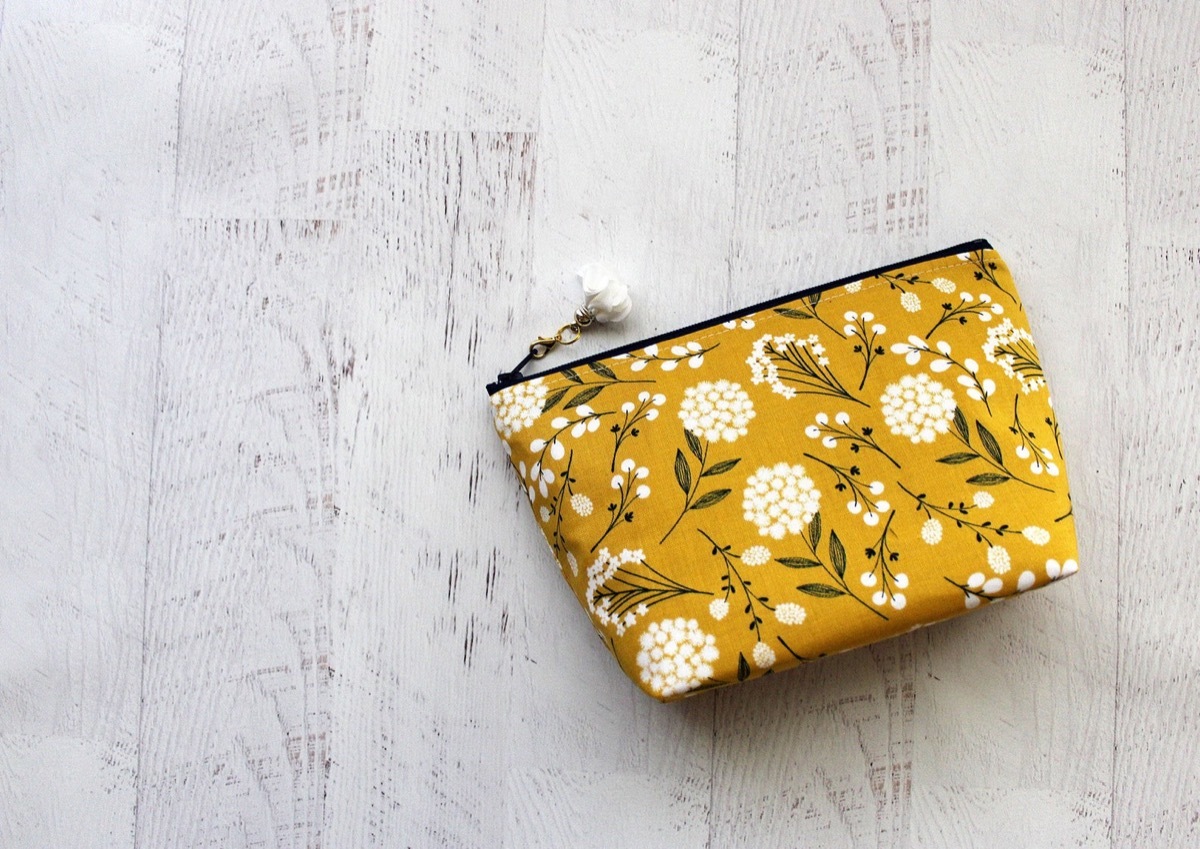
x: 505, y: 379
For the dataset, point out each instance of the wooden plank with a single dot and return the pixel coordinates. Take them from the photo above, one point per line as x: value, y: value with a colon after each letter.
x: 428, y: 590
x: 1018, y: 701
x: 833, y: 139
x: 832, y: 176
x: 85, y: 165
x: 455, y: 66
x: 235, y: 731
x: 271, y: 108
x: 1157, y: 794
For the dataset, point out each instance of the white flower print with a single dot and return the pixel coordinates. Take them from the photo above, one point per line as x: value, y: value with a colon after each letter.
x: 1036, y: 535
x: 719, y: 410
x: 1054, y: 570
x: 780, y: 500
x: 756, y: 555
x: 718, y: 608
x: 853, y: 287
x: 622, y: 587
x: 764, y: 656
x: 999, y: 559
x: 517, y: 407
x: 931, y: 531
x: 690, y: 352
x: 979, y: 587
x: 581, y: 504
x: 912, y: 349
x: 573, y: 562
x: 983, y: 500
x: 918, y: 407
x: 745, y: 324
x: 943, y: 285
x: 790, y: 614
x: 791, y: 366
x: 1025, y: 581
x: 1011, y: 348
x: 977, y: 390
x: 676, y: 656
x: 910, y: 301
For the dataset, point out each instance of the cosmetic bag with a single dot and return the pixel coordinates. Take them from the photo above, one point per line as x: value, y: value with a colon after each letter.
x: 814, y: 473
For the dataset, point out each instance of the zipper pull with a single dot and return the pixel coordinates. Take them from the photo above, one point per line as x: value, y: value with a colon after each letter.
x: 606, y: 301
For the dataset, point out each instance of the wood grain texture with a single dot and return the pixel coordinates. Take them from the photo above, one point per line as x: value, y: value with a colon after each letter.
x: 85, y: 169
x: 265, y: 577
x: 1157, y: 794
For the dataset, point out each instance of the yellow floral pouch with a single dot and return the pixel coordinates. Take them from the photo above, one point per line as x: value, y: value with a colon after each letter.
x: 815, y: 473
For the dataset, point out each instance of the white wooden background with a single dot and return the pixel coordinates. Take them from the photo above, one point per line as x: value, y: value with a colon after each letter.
x: 265, y: 580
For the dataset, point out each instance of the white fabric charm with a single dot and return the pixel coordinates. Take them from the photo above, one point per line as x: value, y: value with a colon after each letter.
x: 606, y: 297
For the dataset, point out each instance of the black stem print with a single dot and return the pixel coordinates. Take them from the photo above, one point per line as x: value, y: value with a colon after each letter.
x: 564, y: 492
x: 799, y: 366
x: 810, y: 313
x: 840, y: 431
x: 836, y: 571
x: 847, y: 478
x: 690, y: 484
x: 986, y: 270
x: 618, y: 508
x: 673, y: 357
x: 991, y: 454
x: 901, y: 278
x: 626, y: 590
x: 628, y: 428
x: 978, y: 593
x: 973, y: 375
x: 959, y: 312
x: 727, y: 584
x: 882, y: 555
x: 955, y: 512
x: 868, y: 348
x: 588, y: 389
x: 584, y: 420
x: 792, y: 651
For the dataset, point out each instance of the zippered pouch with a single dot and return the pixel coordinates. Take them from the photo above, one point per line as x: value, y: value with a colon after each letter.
x: 801, y: 477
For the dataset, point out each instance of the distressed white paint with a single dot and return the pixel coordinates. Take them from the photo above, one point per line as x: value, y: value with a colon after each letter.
x: 264, y: 577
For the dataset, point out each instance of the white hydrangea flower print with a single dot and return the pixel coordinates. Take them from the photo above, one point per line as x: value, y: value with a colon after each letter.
x: 517, y: 407
x: 780, y: 500
x: 1055, y: 570
x: 573, y: 562
x: 764, y: 656
x: 1011, y: 348
x: 910, y: 301
x: 931, y: 531
x: 1036, y: 535
x: 999, y: 559
x: 756, y: 555
x: 983, y: 500
x: 943, y: 285
x: 718, y: 608
x: 918, y: 408
x: 789, y: 613
x: 581, y: 504
x: 716, y: 410
x: 676, y: 656
x: 856, y: 286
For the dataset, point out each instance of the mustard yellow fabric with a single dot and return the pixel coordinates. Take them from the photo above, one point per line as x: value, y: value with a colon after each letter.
x: 803, y: 480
